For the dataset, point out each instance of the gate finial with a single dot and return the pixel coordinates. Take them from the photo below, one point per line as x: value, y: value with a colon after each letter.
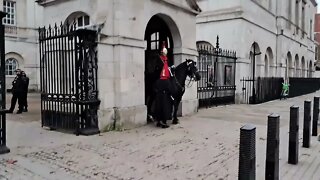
x: 217, y: 43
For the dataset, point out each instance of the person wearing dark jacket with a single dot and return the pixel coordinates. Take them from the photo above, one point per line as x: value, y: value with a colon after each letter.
x: 25, y: 91
x: 17, y: 92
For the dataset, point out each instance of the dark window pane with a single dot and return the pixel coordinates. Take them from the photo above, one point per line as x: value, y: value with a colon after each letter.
x: 86, y: 20
x: 80, y: 23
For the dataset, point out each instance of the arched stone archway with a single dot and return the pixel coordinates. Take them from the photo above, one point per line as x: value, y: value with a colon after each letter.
x: 270, y: 66
x: 303, y: 67
x: 297, y: 66
x: 266, y: 65
x: 160, y: 28
x: 310, y: 68
x: 256, y: 63
x: 290, y: 68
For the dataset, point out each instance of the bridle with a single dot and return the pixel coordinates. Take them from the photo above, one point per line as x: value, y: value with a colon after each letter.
x: 190, y: 78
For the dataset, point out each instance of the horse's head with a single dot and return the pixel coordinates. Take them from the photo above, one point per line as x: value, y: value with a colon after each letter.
x: 192, y: 70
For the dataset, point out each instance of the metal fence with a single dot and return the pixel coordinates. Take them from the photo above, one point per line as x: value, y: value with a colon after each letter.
x: 301, y: 86
x: 69, y: 93
x: 3, y: 132
x: 217, y: 68
x: 261, y: 89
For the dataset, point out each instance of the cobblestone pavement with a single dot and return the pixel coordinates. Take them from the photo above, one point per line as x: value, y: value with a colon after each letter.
x: 203, y: 146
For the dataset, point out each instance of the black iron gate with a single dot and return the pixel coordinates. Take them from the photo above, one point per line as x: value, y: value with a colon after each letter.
x: 217, y: 68
x: 3, y: 137
x: 69, y: 93
x: 261, y: 89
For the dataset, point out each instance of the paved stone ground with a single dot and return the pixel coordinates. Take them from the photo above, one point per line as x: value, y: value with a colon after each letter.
x: 203, y: 146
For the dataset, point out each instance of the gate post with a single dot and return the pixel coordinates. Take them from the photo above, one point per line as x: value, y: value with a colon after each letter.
x: 3, y: 138
x: 272, y: 155
x: 247, y: 154
x: 306, y: 124
x: 315, y: 116
x: 294, y: 135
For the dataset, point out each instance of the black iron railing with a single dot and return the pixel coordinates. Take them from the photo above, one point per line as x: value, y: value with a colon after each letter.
x: 217, y: 68
x: 266, y: 89
x: 301, y: 86
x: 69, y: 91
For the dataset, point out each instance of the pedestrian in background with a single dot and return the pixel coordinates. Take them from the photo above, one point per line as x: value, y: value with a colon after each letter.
x: 25, y: 91
x: 17, y: 92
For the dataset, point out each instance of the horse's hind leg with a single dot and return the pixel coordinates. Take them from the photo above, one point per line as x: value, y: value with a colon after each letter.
x: 149, y: 108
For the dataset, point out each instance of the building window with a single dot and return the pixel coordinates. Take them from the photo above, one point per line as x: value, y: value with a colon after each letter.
x: 310, y: 29
x: 83, y: 21
x: 303, y: 18
x: 79, y: 21
x: 297, y: 16
x: 9, y: 7
x: 289, y: 14
x: 11, y: 66
x: 154, y: 41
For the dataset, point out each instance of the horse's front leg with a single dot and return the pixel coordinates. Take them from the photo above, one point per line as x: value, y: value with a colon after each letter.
x: 175, y: 110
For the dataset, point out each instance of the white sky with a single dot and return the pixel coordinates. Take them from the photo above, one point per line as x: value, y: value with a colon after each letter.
x: 318, y: 1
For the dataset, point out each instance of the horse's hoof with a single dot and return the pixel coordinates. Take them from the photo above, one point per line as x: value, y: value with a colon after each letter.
x: 162, y: 125
x: 175, y: 121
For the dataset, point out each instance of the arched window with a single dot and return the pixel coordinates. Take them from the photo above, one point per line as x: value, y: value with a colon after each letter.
x: 11, y: 65
x: 78, y: 20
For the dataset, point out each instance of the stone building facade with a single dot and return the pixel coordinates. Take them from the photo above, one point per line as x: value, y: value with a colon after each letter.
x: 21, y: 23
x: 317, y: 39
x: 128, y: 31
x: 282, y: 31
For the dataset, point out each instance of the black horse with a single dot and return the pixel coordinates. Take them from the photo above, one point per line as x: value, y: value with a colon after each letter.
x: 187, y: 68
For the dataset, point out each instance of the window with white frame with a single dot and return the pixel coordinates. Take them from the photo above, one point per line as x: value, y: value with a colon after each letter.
x: 154, y: 41
x: 11, y: 65
x: 83, y: 21
x: 9, y: 7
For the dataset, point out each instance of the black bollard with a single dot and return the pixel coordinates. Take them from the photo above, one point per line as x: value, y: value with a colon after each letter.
x: 315, y: 116
x: 272, y: 155
x: 306, y: 124
x: 247, y: 154
x: 294, y: 135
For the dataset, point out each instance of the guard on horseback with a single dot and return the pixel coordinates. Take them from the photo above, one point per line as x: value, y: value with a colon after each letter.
x: 164, y: 92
